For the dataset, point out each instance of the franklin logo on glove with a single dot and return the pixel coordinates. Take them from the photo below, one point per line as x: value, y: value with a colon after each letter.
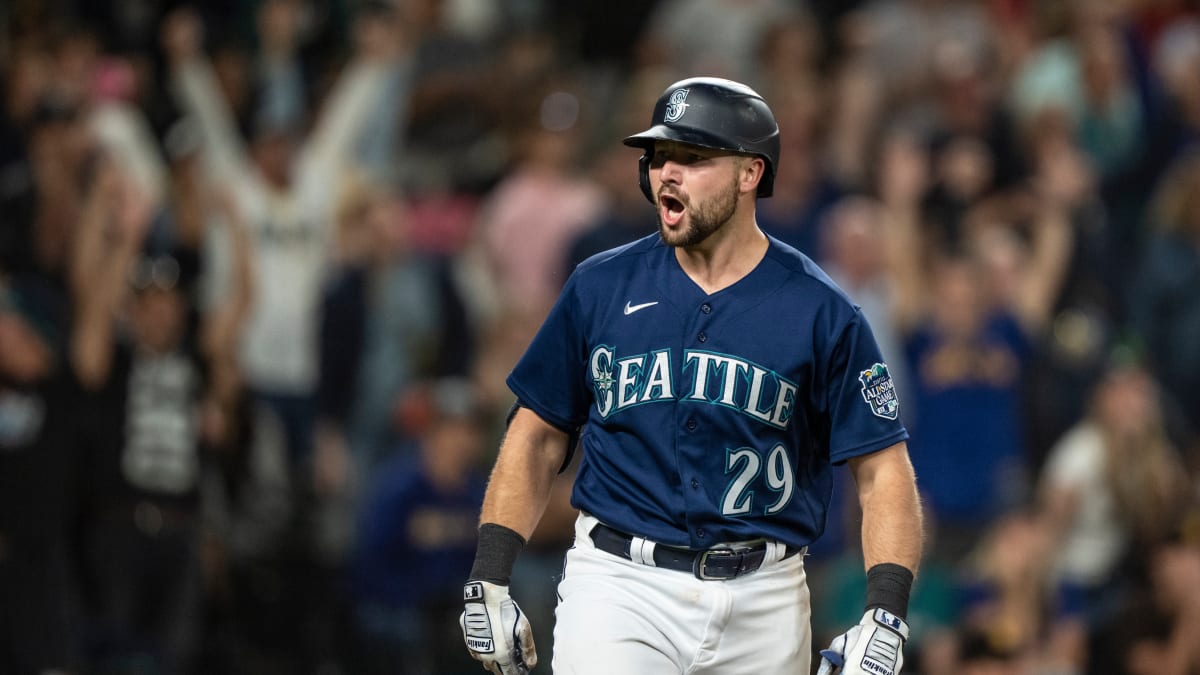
x: 481, y: 645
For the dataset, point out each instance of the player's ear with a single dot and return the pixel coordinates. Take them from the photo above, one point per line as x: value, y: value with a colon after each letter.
x: 750, y: 173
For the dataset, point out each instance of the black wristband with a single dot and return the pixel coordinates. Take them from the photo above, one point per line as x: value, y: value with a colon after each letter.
x: 888, y: 586
x: 496, y: 554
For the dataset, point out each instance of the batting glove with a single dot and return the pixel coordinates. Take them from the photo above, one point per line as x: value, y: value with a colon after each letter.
x: 496, y: 631
x: 874, y: 647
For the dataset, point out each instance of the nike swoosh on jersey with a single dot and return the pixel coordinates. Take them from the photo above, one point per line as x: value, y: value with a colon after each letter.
x: 630, y: 309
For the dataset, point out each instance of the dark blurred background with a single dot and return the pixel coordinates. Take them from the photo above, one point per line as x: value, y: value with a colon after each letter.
x: 265, y: 265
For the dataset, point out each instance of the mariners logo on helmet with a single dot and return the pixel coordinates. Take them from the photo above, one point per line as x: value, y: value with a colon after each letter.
x: 879, y: 392
x: 677, y: 106
x: 721, y: 115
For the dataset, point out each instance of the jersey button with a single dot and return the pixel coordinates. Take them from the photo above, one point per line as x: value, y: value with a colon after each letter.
x: 695, y: 484
x: 703, y: 337
x: 701, y: 533
x: 706, y: 308
x: 691, y: 424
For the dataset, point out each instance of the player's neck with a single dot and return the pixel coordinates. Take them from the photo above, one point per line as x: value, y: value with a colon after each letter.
x: 724, y: 257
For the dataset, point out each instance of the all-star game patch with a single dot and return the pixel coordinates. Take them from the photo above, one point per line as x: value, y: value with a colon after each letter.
x: 879, y: 392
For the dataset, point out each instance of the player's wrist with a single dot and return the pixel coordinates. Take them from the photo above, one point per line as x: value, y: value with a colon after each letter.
x: 495, y: 554
x: 888, y: 588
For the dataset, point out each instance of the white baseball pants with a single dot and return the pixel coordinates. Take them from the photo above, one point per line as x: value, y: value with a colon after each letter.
x: 616, y: 616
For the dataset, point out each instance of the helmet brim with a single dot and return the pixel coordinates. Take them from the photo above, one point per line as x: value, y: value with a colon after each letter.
x: 662, y: 132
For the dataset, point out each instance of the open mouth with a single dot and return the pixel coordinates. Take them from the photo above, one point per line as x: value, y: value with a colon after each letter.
x: 672, y: 209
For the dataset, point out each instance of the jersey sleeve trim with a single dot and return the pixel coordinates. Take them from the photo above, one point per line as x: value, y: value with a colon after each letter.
x: 840, y: 457
x: 526, y: 401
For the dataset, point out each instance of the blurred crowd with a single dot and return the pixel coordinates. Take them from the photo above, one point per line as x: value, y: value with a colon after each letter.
x: 265, y: 265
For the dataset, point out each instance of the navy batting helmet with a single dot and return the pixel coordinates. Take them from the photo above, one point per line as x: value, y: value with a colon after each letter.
x: 714, y: 113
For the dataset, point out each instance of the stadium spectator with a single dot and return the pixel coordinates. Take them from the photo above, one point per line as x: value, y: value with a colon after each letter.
x: 529, y: 219
x: 1113, y: 486
x: 417, y: 537
x: 968, y: 350
x: 147, y: 389
x: 39, y: 489
x: 1165, y: 310
x: 287, y: 187
x: 391, y: 316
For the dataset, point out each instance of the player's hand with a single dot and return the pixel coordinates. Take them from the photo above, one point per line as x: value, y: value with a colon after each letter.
x: 496, y: 631
x: 874, y: 647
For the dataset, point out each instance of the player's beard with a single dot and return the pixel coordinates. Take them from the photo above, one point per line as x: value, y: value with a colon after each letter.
x: 703, y: 218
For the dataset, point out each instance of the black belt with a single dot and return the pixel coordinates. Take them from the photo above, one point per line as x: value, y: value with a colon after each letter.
x: 712, y: 563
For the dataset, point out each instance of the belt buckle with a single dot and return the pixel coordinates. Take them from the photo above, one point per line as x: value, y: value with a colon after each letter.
x: 700, y: 565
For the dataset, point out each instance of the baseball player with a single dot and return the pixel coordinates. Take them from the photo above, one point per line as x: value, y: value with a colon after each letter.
x: 711, y: 376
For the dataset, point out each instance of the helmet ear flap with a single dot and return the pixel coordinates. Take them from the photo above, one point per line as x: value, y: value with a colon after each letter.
x: 644, y: 175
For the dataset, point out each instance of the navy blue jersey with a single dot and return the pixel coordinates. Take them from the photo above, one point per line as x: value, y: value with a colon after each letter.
x: 708, y: 418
